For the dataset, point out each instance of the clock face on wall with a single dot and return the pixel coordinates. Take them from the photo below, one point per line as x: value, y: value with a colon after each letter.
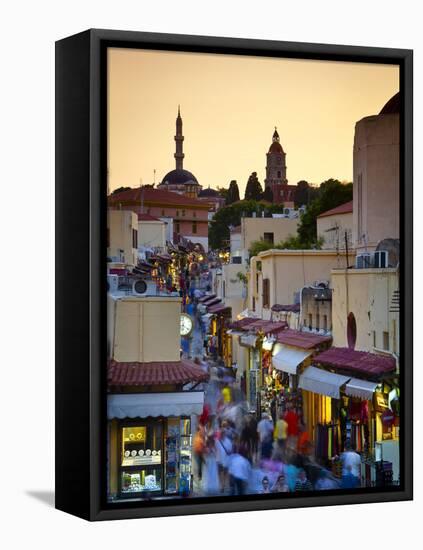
x: 186, y: 324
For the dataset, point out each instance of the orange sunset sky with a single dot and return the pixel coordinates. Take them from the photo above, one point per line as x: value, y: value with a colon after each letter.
x: 230, y: 106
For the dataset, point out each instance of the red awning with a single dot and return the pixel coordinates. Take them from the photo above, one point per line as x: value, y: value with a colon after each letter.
x: 303, y: 340
x: 242, y: 324
x: 357, y: 361
x: 219, y: 308
x: 152, y: 374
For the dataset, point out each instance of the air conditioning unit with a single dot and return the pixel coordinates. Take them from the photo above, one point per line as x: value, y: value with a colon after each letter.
x: 287, y: 211
x: 141, y: 287
x: 301, y: 211
x: 381, y: 258
x: 363, y: 261
x: 112, y: 283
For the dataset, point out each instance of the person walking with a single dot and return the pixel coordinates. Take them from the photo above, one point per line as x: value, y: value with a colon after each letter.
x: 351, y: 465
x: 303, y: 483
x: 265, y: 433
x: 223, y: 452
x: 239, y: 472
x: 280, y: 433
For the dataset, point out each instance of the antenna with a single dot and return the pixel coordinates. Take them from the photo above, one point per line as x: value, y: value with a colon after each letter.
x: 142, y: 196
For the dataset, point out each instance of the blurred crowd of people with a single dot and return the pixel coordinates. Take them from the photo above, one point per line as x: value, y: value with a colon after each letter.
x: 236, y: 455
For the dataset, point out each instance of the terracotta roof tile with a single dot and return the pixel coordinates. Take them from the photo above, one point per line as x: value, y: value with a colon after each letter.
x: 151, y: 195
x: 345, y: 208
x: 299, y: 339
x: 155, y: 373
x: 357, y: 361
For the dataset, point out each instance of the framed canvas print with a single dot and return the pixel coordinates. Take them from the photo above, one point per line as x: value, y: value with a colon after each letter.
x: 234, y: 274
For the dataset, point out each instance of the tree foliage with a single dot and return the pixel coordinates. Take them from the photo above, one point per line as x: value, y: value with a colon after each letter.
x: 304, y: 193
x: 331, y: 193
x: 268, y: 194
x: 120, y: 189
x: 233, y: 193
x: 253, y: 190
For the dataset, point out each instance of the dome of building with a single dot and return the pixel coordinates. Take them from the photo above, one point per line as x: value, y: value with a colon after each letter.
x: 276, y: 147
x: 209, y: 192
x: 179, y: 177
x: 393, y: 106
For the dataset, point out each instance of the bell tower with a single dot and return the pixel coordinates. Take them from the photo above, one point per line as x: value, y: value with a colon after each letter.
x: 275, y: 163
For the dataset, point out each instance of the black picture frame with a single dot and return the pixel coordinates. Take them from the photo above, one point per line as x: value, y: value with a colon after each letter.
x: 81, y: 144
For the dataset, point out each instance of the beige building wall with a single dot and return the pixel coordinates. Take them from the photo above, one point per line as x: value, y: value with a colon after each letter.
x: 376, y: 180
x: 151, y: 233
x: 121, y: 224
x: 144, y: 329
x: 367, y: 293
x: 332, y: 230
x: 288, y: 271
x: 253, y: 229
x: 228, y: 287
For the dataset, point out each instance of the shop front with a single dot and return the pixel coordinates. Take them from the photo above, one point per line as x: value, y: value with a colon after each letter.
x: 150, y: 443
x: 218, y: 332
x: 342, y: 406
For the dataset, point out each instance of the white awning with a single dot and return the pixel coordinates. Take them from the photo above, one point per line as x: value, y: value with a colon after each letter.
x: 287, y: 359
x: 248, y: 340
x: 234, y: 332
x: 360, y: 388
x: 141, y: 405
x: 322, y: 382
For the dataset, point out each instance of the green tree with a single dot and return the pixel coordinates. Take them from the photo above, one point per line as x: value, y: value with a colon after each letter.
x: 120, y: 189
x: 253, y: 190
x: 223, y: 192
x: 331, y: 193
x: 231, y: 215
x: 268, y: 194
x: 233, y: 193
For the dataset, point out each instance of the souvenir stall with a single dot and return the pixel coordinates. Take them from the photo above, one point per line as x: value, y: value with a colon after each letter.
x: 362, y: 414
x: 291, y: 353
x: 150, y: 429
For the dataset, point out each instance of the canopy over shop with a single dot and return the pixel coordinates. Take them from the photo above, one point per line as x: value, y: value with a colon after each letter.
x: 150, y: 427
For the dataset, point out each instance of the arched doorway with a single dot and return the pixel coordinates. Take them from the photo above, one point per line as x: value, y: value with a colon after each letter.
x: 351, y: 331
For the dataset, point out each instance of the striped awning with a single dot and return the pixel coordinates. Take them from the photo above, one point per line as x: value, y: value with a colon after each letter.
x: 142, y: 405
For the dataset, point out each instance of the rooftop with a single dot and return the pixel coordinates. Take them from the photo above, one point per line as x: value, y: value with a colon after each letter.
x: 147, y: 218
x: 345, y: 208
x: 304, y: 340
x: 153, y: 374
x: 152, y: 195
x: 357, y: 361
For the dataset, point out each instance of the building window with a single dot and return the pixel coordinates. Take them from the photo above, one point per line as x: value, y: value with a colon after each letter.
x: 325, y: 322
x: 317, y: 321
x: 194, y: 228
x: 386, y: 340
x: 279, y: 174
x: 268, y: 238
x: 177, y: 213
x: 183, y: 212
x: 134, y: 238
x: 163, y: 212
x: 310, y: 321
x: 223, y: 289
x: 257, y: 283
x: 351, y: 331
x: 374, y: 338
x: 266, y: 292
x: 177, y: 227
x: 194, y: 214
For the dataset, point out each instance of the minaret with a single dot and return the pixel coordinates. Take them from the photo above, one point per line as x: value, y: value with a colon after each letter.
x: 179, y: 139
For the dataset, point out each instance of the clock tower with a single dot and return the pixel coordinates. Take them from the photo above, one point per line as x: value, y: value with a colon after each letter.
x: 275, y: 163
